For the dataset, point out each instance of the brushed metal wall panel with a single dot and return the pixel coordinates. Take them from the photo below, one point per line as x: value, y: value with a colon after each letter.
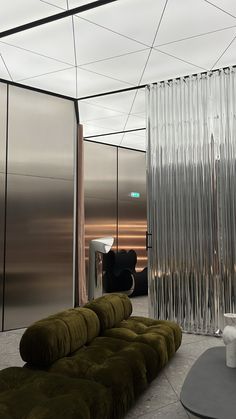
x: 132, y: 213
x: 100, y: 169
x: 100, y: 189
x: 40, y: 131
x: 39, y: 253
x: 3, y: 120
x: 2, y: 223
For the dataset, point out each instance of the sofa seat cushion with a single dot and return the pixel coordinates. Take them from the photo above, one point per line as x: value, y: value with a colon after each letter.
x: 163, y: 336
x: 111, y: 309
x: 58, y: 335
x: 38, y: 395
x: 124, y: 367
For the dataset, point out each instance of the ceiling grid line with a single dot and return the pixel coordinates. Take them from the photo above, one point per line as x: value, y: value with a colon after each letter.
x: 217, y: 7
x: 146, y: 63
x: 6, y: 67
x: 110, y: 49
x: 195, y: 36
x: 224, y: 52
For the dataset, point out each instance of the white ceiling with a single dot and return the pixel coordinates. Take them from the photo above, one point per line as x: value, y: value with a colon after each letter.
x: 115, y: 46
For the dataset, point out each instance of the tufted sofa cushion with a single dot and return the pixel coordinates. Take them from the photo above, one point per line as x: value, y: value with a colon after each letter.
x: 27, y: 394
x: 123, y: 367
x: 163, y: 336
x: 111, y: 309
x: 59, y: 335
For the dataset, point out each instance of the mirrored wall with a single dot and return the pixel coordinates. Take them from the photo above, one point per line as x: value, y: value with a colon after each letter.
x: 115, y: 197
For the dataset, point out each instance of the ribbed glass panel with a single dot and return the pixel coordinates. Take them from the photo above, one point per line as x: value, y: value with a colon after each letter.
x: 191, y: 168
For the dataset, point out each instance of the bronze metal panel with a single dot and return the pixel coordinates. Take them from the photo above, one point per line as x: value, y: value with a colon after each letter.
x: 39, y: 249
x: 100, y: 186
x: 41, y: 129
x: 132, y: 214
x: 100, y: 169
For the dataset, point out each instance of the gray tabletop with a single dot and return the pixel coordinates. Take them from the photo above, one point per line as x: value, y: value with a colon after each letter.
x: 209, y: 390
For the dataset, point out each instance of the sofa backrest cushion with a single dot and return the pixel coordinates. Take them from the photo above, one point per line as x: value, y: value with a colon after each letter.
x: 58, y: 335
x: 111, y: 309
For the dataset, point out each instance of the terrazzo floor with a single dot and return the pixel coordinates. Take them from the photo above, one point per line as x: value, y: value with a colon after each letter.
x: 161, y: 400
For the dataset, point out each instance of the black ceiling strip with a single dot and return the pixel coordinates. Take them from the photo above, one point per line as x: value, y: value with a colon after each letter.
x: 114, y: 133
x: 35, y: 89
x: 142, y: 86
x: 76, y: 111
x: 113, y: 145
x: 112, y: 92
x: 55, y: 17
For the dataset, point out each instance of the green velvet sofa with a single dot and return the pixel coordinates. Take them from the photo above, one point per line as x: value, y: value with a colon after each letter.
x: 87, y: 363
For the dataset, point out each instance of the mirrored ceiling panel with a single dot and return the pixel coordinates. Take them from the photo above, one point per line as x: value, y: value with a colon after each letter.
x: 89, y: 111
x: 62, y: 81
x: 134, y: 140
x: 119, y: 102
x: 135, y: 121
x: 4, y: 73
x: 138, y: 105
x: 110, y: 139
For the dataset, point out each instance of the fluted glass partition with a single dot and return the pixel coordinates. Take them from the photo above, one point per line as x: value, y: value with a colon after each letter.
x: 191, y: 168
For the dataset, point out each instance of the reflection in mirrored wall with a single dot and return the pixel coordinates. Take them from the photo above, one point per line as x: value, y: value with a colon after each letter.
x: 115, y: 197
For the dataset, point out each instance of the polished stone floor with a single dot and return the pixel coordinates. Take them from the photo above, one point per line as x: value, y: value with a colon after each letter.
x: 161, y: 400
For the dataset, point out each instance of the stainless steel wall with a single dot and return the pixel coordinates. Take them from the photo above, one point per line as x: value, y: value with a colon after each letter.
x: 3, y: 121
x: 132, y: 218
x: 100, y: 192
x: 111, y: 174
x: 39, y: 223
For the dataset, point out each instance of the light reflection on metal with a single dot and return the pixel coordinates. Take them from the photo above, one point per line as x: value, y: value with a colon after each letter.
x: 192, y: 199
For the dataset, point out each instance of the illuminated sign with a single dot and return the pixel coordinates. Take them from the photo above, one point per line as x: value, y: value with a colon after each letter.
x: 135, y: 195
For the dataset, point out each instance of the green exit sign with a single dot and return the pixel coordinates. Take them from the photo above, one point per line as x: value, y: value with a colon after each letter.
x: 135, y: 195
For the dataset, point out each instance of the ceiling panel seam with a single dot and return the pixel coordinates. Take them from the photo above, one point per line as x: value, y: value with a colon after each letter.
x: 145, y: 66
x: 53, y: 18
x: 195, y: 36
x: 113, y: 57
x: 35, y: 53
x: 46, y: 74
x: 108, y: 77
x: 6, y: 67
x: 218, y: 7
x: 179, y: 59
x: 83, y: 69
x: 102, y: 107
x: 223, y: 52
x: 54, y: 5
x: 113, y: 31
